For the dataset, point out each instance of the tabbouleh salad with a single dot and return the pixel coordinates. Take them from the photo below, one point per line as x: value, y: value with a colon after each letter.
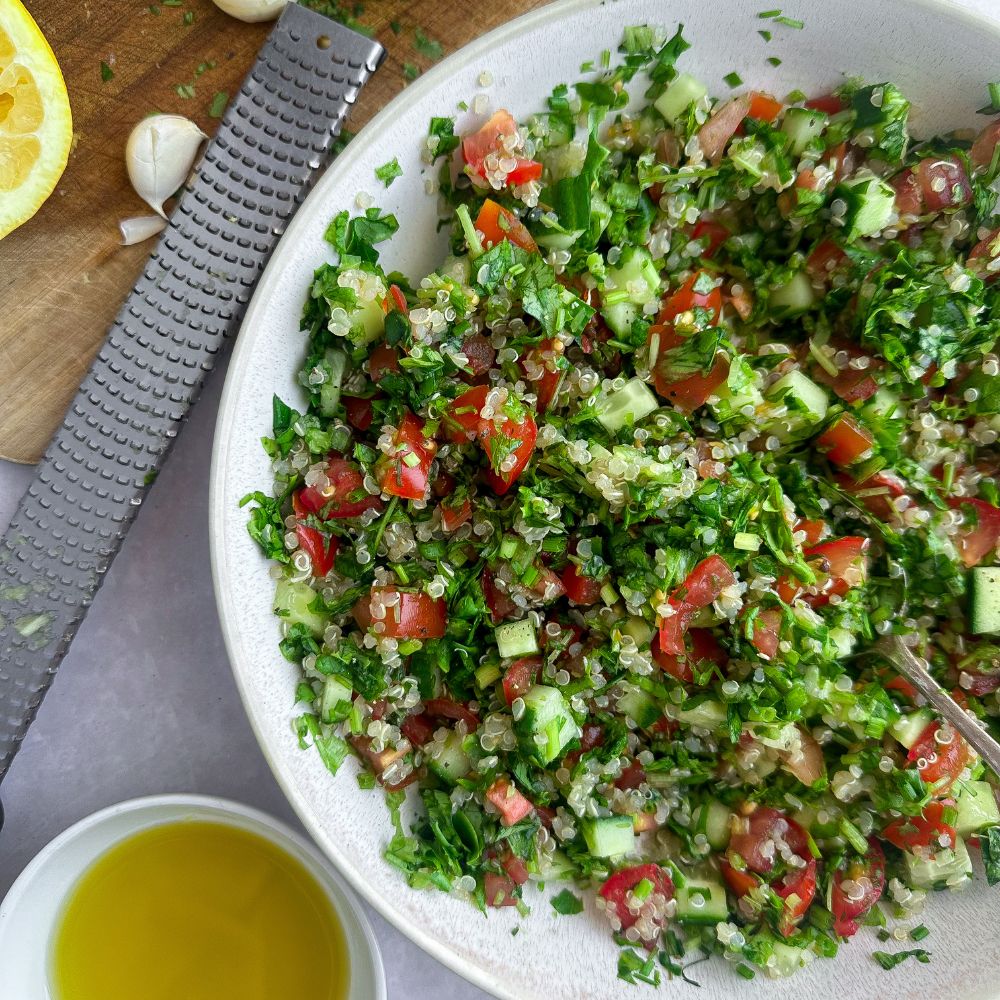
x: 588, y: 536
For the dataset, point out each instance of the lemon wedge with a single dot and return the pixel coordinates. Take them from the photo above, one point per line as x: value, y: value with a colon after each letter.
x: 36, y: 128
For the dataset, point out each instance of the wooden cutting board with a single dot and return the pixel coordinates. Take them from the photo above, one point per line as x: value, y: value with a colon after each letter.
x: 63, y: 275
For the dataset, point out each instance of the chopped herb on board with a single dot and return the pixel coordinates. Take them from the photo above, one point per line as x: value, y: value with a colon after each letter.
x: 107, y: 73
x: 218, y: 106
x: 185, y: 91
x: 427, y: 46
x: 410, y: 72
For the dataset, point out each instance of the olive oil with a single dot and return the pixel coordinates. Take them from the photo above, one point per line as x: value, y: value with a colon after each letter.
x: 198, y: 911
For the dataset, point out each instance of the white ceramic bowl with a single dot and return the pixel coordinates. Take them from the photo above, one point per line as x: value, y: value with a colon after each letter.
x: 942, y: 56
x: 29, y: 912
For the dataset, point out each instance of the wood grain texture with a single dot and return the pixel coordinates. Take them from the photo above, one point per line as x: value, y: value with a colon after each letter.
x: 63, y: 275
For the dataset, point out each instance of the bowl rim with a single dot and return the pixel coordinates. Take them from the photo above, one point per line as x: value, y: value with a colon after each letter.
x: 370, y: 134
x: 354, y: 921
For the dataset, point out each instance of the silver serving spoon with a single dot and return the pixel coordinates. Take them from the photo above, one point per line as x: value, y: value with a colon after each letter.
x: 914, y: 669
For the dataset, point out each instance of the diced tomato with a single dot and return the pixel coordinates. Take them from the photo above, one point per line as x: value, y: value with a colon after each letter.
x: 704, y: 646
x: 454, y: 515
x: 519, y: 677
x: 510, y: 803
x: 845, y: 441
x: 687, y: 394
x: 497, y: 224
x: 444, y: 484
x: 977, y: 540
x: 643, y: 822
x: 398, y: 299
x: 703, y: 585
x: 909, y: 196
x: 515, y: 867
x: 875, y: 493
x: 382, y: 360
x: 986, y: 251
x: 926, y: 831
x: 944, y: 182
x: 405, y: 471
x: 687, y: 298
x: 830, y: 104
x: 525, y: 431
x: 359, y: 412
x: 499, y: 890
x: 763, y: 107
x: 448, y: 708
x: 842, y: 159
x: 320, y: 548
x: 498, y: 601
x: 712, y: 234
x: 481, y: 355
x: 617, y: 891
x: 767, y: 632
x: 985, y: 145
x: 378, y: 760
x: 346, y: 495
x: 939, y: 764
x: 476, y: 148
x: 580, y: 589
x: 841, y: 564
x: 418, y: 729
x: 982, y: 672
x: 851, y: 384
x: 721, y: 127
x: 412, y: 616
x: 540, y: 369
x: 462, y: 420
x: 813, y: 530
x: 631, y: 777
x: 741, y: 299
x: 826, y: 260
x: 903, y: 686
x: 755, y: 841
x: 868, y: 877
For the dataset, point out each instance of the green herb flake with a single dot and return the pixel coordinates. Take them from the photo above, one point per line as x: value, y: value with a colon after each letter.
x: 410, y: 72
x: 774, y: 60
x: 388, y: 172
x: 919, y: 932
x: 154, y: 10
x: 790, y: 22
x: 185, y: 91
x: 767, y: 14
x: 395, y: 27
x: 889, y: 961
x: 989, y: 845
x: 766, y: 35
x: 107, y: 73
x: 566, y: 903
x: 427, y: 46
x: 188, y: 19
x: 733, y: 79
x: 218, y: 106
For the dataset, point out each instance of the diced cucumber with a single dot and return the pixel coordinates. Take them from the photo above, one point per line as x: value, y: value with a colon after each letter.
x: 458, y: 268
x: 707, y: 714
x: 367, y: 322
x: 619, y: 316
x: 788, y: 959
x: 806, y: 402
x: 629, y: 404
x: 870, y: 204
x: 984, y: 613
x: 907, y: 728
x: 630, y: 284
x: 639, y: 629
x: 700, y: 901
x: 335, y: 363
x: 516, y: 638
x: 291, y: 604
x: 547, y: 726
x: 608, y: 836
x: 793, y: 297
x: 335, y: 702
x: 558, y: 241
x: 450, y: 762
x: 947, y: 868
x: 639, y: 707
x: 977, y: 808
x: 802, y: 125
x: 821, y: 829
x: 487, y: 675
x: 735, y: 394
x: 883, y: 405
x: 683, y: 91
x: 714, y: 819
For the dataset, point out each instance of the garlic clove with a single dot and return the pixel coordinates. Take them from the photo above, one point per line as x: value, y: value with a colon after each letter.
x: 159, y: 155
x: 140, y: 228
x: 252, y: 10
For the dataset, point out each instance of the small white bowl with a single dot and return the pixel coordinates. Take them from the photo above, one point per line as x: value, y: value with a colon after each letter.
x: 29, y: 912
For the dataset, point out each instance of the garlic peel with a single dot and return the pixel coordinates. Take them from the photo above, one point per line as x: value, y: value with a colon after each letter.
x: 252, y: 10
x: 140, y: 228
x: 159, y: 155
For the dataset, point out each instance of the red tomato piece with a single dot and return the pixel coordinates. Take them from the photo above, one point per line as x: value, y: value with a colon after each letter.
x: 462, y: 419
x: 977, y: 540
x: 686, y: 298
x: 405, y: 472
x: 404, y: 615
x: 631, y: 777
x: 903, y: 686
x: 704, y: 646
x: 939, y: 763
x: 985, y: 146
x: 378, y: 760
x: 767, y: 632
x: 498, y: 601
x: 830, y: 104
x: 448, y: 708
x: 499, y: 890
x: 618, y: 891
x: 525, y: 431
x: 703, y: 585
x: 399, y: 299
x: 382, y: 360
x: 580, y: 589
x: 346, y: 495
x: 454, y: 515
x: 928, y: 831
x: 876, y: 493
x: 519, y: 677
x: 712, y: 233
x: 540, y: 369
x: 480, y: 353
x: 320, y: 548
x: 856, y: 888
x: 987, y: 252
x: 943, y: 182
x: 982, y: 674
x: 510, y: 803
x: 515, y: 868
x: 418, y: 729
x: 714, y: 135
x: 483, y: 151
x: 764, y: 107
x: 909, y: 194
x: 687, y: 394
x: 826, y: 260
x: 840, y: 563
x: 497, y: 224
x: 359, y: 412
x: 813, y: 530
x: 845, y: 441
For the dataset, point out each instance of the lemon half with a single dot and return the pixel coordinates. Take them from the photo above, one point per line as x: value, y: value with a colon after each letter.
x: 36, y: 128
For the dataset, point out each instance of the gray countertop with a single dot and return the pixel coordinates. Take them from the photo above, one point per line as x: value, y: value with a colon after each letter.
x: 145, y: 702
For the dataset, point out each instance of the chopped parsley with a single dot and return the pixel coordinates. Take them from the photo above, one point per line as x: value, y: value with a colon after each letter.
x: 426, y: 45
x: 388, y: 172
x: 218, y: 106
x: 733, y: 79
x: 107, y: 73
x: 566, y: 903
x: 889, y: 961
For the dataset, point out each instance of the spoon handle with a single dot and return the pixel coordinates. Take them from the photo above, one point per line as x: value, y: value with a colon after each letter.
x: 914, y: 669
